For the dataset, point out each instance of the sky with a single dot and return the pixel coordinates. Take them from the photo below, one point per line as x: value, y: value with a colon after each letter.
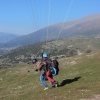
x: 23, y: 17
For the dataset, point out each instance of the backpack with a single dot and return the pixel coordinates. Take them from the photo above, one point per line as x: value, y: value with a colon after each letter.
x: 54, y: 68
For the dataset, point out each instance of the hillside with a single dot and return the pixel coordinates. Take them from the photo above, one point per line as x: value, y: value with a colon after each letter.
x: 66, y: 47
x: 4, y: 38
x: 78, y: 80
x: 89, y: 25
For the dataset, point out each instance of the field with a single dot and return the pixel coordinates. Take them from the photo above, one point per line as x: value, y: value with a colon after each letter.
x: 79, y: 79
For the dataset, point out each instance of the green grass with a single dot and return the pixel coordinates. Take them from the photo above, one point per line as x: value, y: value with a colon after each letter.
x: 79, y: 78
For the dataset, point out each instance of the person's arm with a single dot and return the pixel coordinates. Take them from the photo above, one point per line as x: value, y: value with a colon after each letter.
x: 38, y: 66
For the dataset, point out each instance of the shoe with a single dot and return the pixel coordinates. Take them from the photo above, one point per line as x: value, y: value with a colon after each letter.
x: 56, y: 84
x: 45, y: 88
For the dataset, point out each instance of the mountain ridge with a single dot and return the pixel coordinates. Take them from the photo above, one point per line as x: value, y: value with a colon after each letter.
x: 5, y: 37
x: 86, y: 26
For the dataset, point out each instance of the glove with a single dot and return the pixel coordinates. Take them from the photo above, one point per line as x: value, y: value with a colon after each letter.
x: 36, y: 69
x: 28, y: 71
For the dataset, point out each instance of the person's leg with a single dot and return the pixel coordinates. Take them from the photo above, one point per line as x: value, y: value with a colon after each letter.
x: 50, y: 78
x: 48, y: 75
x: 43, y: 80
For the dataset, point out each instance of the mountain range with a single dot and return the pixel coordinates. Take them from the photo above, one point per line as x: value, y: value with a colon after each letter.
x: 5, y: 37
x: 89, y: 25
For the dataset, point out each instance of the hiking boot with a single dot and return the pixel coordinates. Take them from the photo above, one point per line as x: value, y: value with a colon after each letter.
x: 56, y: 84
x: 45, y: 88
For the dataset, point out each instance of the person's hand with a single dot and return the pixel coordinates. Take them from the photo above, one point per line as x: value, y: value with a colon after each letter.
x: 44, y: 63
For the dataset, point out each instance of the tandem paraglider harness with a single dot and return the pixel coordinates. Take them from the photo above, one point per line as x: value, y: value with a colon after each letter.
x: 54, y: 68
x: 51, y: 65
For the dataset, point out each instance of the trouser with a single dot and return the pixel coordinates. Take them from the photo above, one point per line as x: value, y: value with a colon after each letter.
x: 42, y: 79
x: 49, y: 76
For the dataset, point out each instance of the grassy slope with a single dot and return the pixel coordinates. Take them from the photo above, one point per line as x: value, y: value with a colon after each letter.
x: 79, y: 78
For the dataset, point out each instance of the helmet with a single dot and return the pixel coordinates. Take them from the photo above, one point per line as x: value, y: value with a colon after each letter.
x: 45, y: 55
x: 34, y: 61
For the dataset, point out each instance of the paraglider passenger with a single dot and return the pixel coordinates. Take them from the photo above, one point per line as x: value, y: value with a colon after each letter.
x: 41, y: 68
